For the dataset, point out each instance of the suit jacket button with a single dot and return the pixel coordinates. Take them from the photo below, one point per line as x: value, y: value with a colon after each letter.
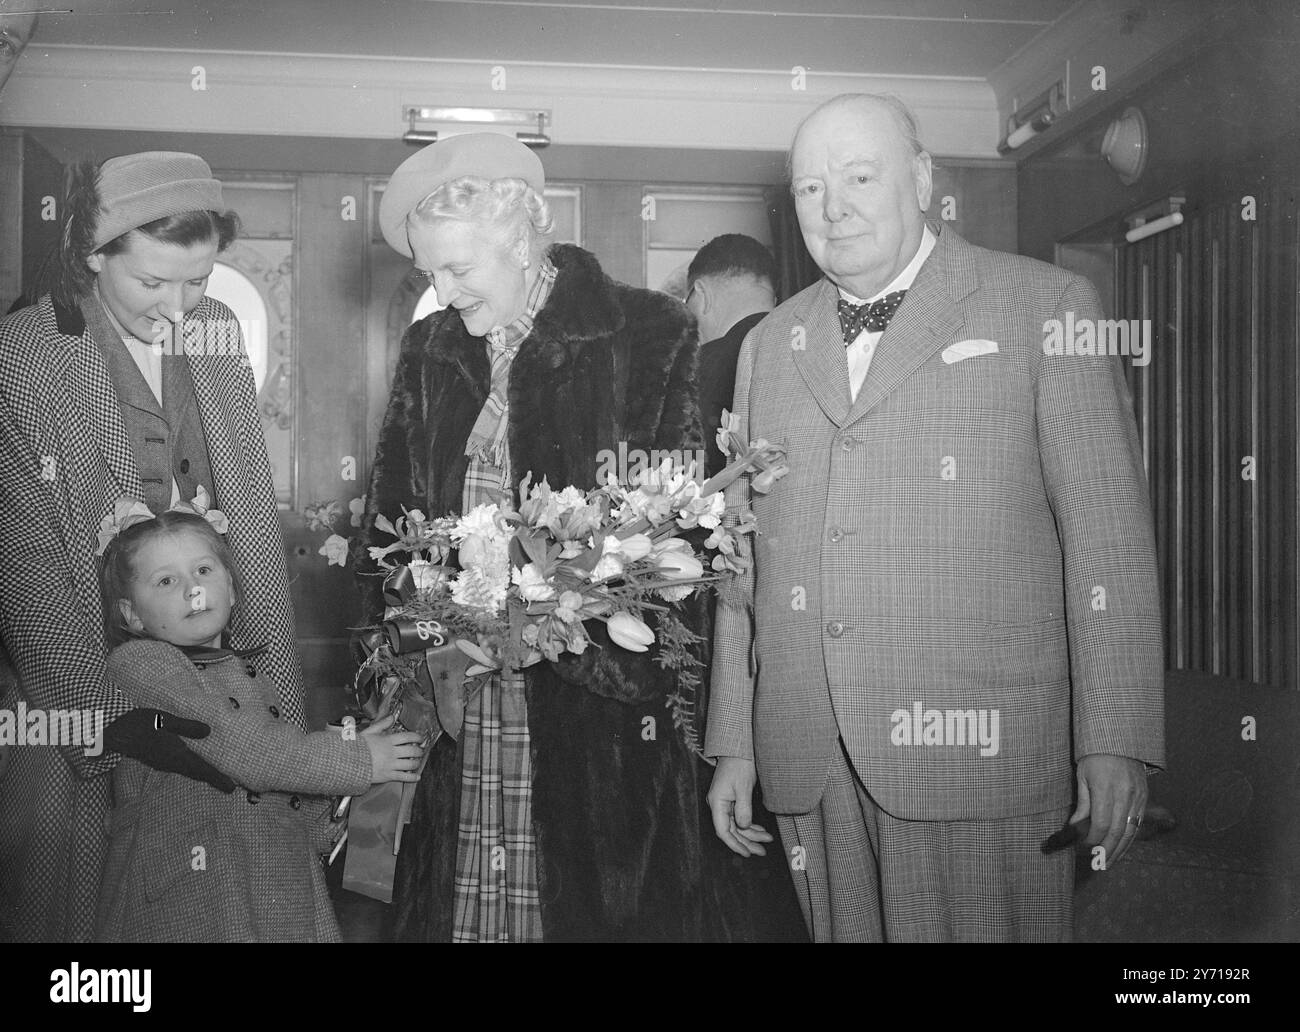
x: 234, y: 703
x: 185, y: 465
x: 295, y: 803
x: 275, y: 712
x: 849, y: 443
x: 835, y: 629
x: 835, y: 535
x: 254, y: 798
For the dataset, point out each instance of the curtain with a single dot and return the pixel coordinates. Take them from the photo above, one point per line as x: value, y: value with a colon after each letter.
x: 795, y: 268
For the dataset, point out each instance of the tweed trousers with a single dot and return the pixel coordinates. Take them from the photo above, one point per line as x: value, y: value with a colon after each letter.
x: 862, y: 875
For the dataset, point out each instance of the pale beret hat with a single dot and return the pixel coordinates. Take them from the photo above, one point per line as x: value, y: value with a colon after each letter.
x: 488, y: 155
x: 139, y: 188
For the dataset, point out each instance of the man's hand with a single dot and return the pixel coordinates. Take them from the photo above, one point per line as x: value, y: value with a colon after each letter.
x: 1113, y: 795
x: 731, y: 801
x: 154, y: 738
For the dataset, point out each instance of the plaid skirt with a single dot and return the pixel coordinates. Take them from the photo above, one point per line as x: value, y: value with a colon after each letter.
x: 496, y: 886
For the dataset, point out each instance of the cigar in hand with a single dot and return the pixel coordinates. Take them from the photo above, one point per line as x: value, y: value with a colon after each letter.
x: 1068, y: 836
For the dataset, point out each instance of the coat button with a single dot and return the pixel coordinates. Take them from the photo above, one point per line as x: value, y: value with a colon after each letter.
x: 254, y: 798
x: 275, y: 711
x: 295, y: 803
x: 849, y: 443
x: 250, y: 670
x: 835, y: 535
x: 234, y: 703
x: 185, y: 465
x: 835, y: 629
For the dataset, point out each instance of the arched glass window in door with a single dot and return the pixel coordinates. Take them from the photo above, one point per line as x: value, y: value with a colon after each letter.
x: 428, y: 303
x: 237, y: 292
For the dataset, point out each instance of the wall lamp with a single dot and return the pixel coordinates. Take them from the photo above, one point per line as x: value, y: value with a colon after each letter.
x: 420, y: 120
x: 1166, y: 214
x: 1033, y: 118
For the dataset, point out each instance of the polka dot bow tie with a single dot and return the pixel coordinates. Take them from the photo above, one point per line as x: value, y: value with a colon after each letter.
x: 873, y: 317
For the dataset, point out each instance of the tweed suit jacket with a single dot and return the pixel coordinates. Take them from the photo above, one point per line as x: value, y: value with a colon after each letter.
x: 969, y: 537
x: 65, y: 457
x: 189, y: 863
x: 167, y: 440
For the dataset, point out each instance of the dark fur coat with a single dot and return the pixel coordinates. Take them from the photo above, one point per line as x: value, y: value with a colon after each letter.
x: 626, y: 850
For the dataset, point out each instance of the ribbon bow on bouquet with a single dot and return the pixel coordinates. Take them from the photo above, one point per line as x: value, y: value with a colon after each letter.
x: 128, y: 511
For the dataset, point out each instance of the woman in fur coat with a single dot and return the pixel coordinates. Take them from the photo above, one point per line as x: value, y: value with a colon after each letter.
x: 538, y: 363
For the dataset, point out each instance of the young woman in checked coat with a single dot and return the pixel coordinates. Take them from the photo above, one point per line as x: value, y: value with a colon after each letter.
x: 89, y: 411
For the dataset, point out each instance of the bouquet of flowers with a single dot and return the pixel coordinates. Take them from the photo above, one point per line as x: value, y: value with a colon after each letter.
x: 498, y: 588
x: 527, y: 583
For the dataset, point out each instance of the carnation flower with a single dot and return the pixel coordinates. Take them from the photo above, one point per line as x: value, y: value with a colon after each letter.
x: 532, y: 584
x: 335, y: 550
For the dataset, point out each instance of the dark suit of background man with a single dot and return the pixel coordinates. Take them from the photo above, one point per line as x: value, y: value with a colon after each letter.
x: 729, y: 289
x: 949, y: 639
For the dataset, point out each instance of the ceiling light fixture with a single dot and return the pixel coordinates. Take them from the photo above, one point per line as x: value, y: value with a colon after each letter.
x: 425, y: 123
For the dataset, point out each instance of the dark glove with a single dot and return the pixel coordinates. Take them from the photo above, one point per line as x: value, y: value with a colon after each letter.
x: 154, y: 738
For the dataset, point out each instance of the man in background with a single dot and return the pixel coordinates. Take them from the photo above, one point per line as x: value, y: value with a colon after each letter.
x: 729, y: 290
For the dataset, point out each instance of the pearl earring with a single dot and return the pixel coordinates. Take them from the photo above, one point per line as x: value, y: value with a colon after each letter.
x: 527, y: 264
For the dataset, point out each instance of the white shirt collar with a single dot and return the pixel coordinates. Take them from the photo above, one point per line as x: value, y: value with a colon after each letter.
x: 905, y: 279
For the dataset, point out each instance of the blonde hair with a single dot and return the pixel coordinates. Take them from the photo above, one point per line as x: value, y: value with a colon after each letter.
x: 510, y: 204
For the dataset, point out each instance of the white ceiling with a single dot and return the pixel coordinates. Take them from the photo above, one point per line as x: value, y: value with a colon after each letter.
x: 930, y: 38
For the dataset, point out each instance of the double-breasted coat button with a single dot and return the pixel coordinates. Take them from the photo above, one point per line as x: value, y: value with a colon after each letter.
x: 295, y: 803
x: 254, y: 798
x: 835, y: 629
x: 275, y: 711
x: 234, y: 703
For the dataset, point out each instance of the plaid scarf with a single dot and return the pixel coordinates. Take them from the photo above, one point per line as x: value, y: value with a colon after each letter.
x: 496, y: 887
x: 488, y: 438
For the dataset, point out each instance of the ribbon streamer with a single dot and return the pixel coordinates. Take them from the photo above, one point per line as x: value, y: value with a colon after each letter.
x: 409, y: 634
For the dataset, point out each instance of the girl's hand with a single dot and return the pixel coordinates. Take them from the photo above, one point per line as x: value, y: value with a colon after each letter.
x: 394, y: 755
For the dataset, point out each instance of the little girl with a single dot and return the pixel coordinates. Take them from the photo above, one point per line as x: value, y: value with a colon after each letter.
x: 187, y: 862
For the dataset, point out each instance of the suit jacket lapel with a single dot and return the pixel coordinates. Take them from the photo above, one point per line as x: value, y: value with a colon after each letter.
x: 819, y: 356
x: 128, y: 382
x: 928, y: 320
x: 216, y: 401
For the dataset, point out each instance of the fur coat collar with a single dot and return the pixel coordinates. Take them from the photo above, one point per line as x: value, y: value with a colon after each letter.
x: 605, y: 364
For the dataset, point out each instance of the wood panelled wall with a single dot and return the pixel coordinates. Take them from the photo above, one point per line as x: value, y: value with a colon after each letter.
x: 1218, y: 412
x: 1218, y: 401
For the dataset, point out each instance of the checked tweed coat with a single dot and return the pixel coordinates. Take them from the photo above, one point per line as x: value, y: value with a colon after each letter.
x: 64, y: 458
x: 256, y: 875
x: 941, y: 541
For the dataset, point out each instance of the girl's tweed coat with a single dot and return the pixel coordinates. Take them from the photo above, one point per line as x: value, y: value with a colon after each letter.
x: 188, y: 863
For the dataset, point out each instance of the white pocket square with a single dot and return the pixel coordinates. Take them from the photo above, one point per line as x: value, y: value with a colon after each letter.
x: 969, y: 349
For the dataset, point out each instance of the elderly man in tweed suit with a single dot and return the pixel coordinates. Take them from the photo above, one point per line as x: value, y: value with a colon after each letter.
x: 90, y: 411
x: 951, y: 619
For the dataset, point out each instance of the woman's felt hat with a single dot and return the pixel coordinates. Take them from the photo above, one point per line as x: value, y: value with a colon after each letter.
x: 136, y: 189
x: 487, y: 155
